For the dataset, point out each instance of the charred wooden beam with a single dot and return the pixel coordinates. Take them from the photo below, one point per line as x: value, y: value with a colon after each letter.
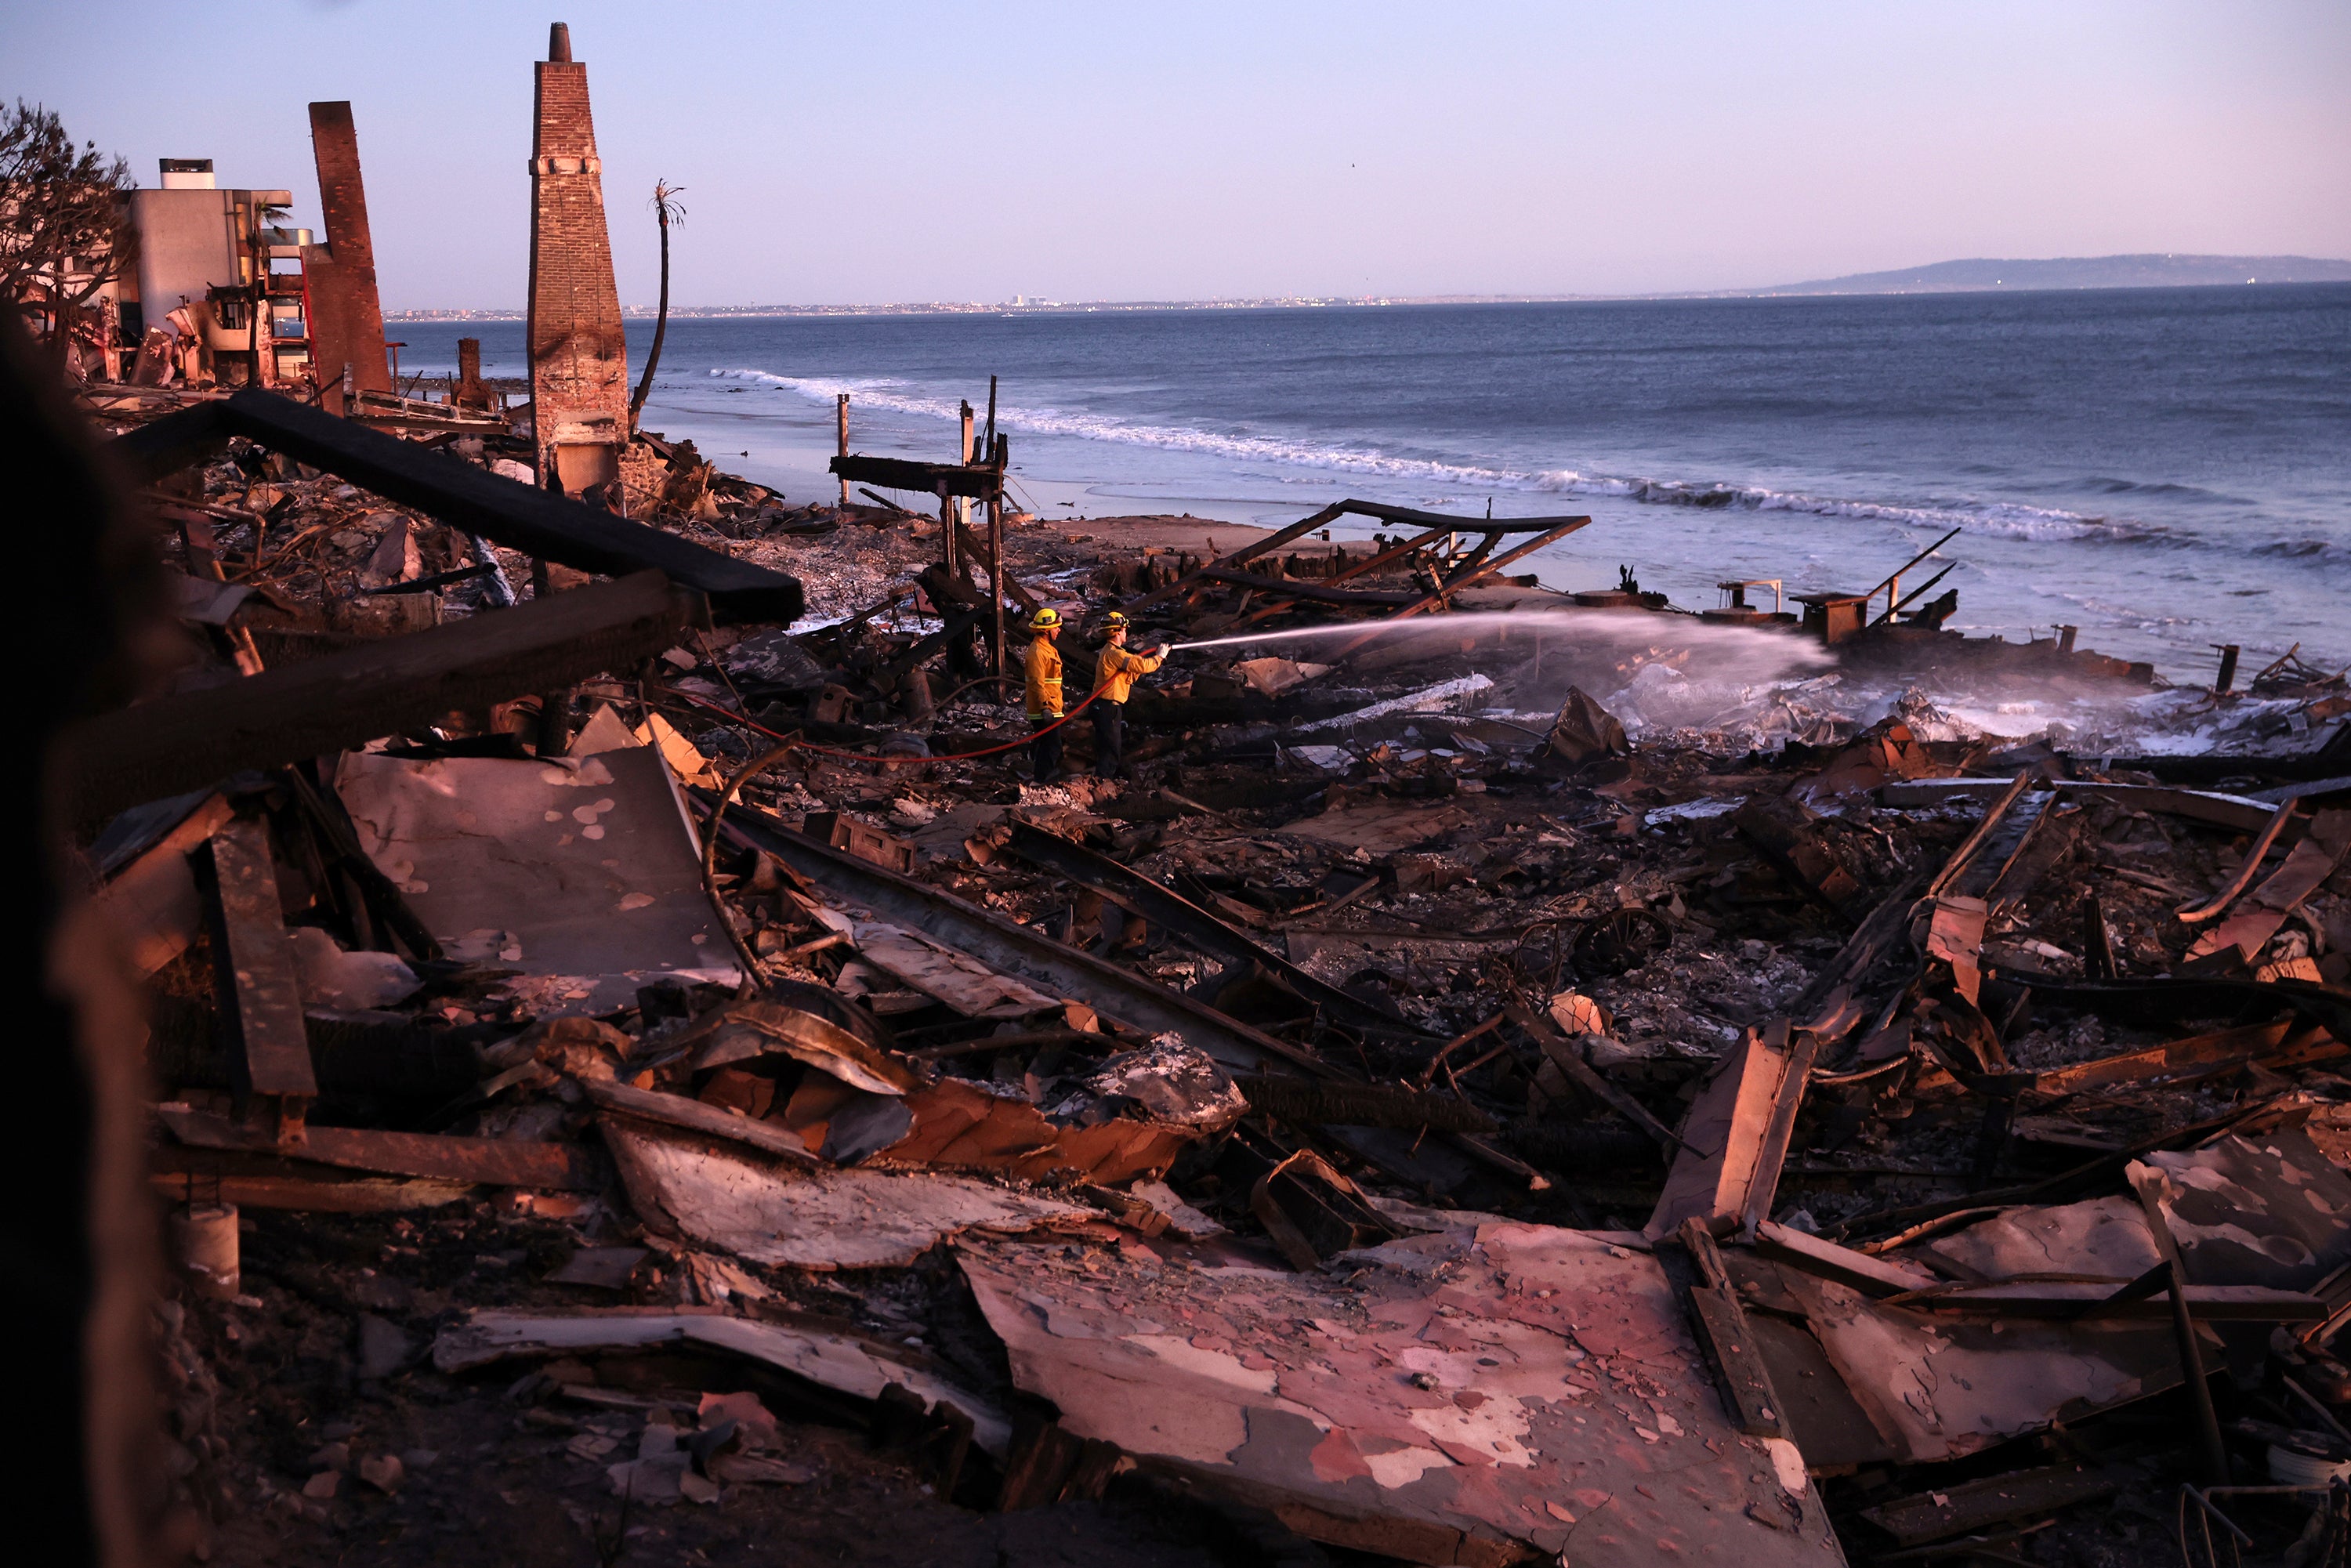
x: 484, y: 1162
x: 259, y: 996
x: 1414, y: 517
x: 539, y: 522
x: 190, y: 739
x: 976, y: 481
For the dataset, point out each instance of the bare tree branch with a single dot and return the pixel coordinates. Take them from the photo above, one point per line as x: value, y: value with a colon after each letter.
x: 64, y: 231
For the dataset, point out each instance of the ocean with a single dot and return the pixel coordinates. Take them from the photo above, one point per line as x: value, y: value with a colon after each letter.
x: 2166, y: 469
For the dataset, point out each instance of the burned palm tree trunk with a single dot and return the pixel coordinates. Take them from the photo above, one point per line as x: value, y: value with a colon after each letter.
x: 667, y: 210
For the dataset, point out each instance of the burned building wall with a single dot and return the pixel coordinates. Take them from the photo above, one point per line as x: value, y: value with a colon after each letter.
x: 346, y: 314
x: 579, y: 357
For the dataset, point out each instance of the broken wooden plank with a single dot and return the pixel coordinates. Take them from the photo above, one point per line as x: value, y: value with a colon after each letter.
x: 258, y: 991
x: 1729, y: 1168
x: 1827, y: 1423
x: 183, y: 1174
x: 343, y: 700
x: 482, y: 1162
x: 2052, y: 838
x: 1721, y: 1323
x: 1819, y: 1256
x: 1415, y: 516
x: 1771, y: 1150
x: 520, y: 516
x: 962, y: 983
x: 1995, y: 813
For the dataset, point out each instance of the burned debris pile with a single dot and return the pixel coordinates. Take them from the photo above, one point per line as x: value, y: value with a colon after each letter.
x: 1498, y: 1079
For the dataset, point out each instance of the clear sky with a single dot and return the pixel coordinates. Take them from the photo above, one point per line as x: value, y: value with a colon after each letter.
x: 879, y: 152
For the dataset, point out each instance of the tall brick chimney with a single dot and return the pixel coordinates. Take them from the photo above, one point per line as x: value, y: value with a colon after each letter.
x: 346, y: 314
x: 579, y: 357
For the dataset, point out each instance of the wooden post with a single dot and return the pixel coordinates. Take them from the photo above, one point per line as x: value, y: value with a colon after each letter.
x: 948, y: 528
x: 995, y: 549
x: 964, y: 455
x: 841, y: 433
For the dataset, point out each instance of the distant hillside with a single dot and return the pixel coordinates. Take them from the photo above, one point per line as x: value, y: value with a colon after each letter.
x: 2080, y: 272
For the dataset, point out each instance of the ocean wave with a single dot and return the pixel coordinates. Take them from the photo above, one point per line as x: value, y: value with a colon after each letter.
x: 2101, y: 485
x: 2000, y: 520
x: 2304, y: 549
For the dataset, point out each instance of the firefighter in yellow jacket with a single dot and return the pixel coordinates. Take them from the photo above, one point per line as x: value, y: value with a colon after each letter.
x: 1115, y: 673
x: 1042, y: 670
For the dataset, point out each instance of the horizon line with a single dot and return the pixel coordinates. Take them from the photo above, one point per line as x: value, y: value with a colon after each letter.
x: 1333, y: 301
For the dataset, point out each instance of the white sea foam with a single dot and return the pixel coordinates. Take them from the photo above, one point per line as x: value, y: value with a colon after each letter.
x: 2005, y: 519
x: 1170, y: 438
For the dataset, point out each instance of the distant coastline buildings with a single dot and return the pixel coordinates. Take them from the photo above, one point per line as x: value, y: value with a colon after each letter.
x: 1017, y: 303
